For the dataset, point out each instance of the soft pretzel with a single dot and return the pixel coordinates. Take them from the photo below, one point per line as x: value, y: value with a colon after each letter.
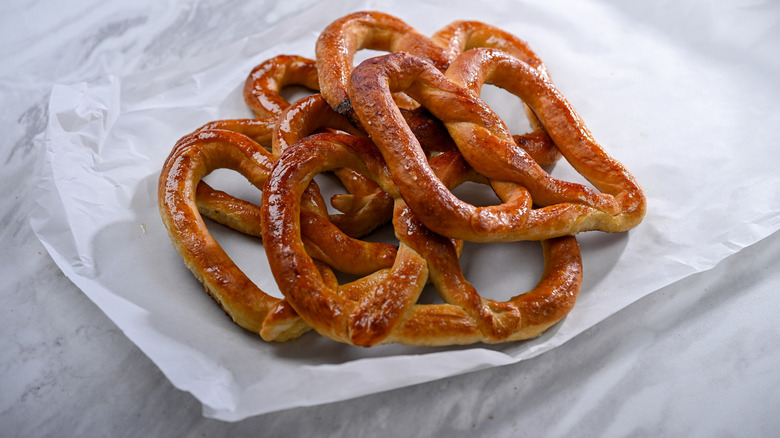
x: 197, y: 155
x: 400, y: 131
x: 263, y: 86
x: 562, y: 123
x: 389, y: 313
x: 483, y: 139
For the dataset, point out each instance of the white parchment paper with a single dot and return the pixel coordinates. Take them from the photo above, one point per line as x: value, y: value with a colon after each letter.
x: 687, y: 99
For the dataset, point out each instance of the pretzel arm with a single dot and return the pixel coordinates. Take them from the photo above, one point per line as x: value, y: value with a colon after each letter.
x: 462, y: 35
x: 259, y: 130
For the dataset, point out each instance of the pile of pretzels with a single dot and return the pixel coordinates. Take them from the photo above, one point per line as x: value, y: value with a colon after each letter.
x: 400, y: 131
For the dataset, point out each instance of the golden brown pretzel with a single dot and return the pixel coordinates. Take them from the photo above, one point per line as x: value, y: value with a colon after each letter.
x: 388, y: 312
x: 196, y: 155
x: 394, y: 100
x: 562, y: 123
x: 482, y: 137
x: 338, y: 43
x: 263, y: 86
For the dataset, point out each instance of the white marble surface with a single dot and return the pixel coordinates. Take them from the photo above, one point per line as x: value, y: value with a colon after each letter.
x: 698, y: 358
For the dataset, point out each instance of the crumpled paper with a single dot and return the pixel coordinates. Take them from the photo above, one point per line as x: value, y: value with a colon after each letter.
x: 687, y: 99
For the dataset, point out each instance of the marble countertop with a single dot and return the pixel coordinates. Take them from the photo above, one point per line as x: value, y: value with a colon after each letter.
x: 700, y: 357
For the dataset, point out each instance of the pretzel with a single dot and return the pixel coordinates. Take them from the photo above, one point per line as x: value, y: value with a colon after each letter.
x: 483, y: 139
x: 198, y: 154
x: 264, y: 84
x: 262, y: 88
x: 388, y: 313
x: 401, y: 131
